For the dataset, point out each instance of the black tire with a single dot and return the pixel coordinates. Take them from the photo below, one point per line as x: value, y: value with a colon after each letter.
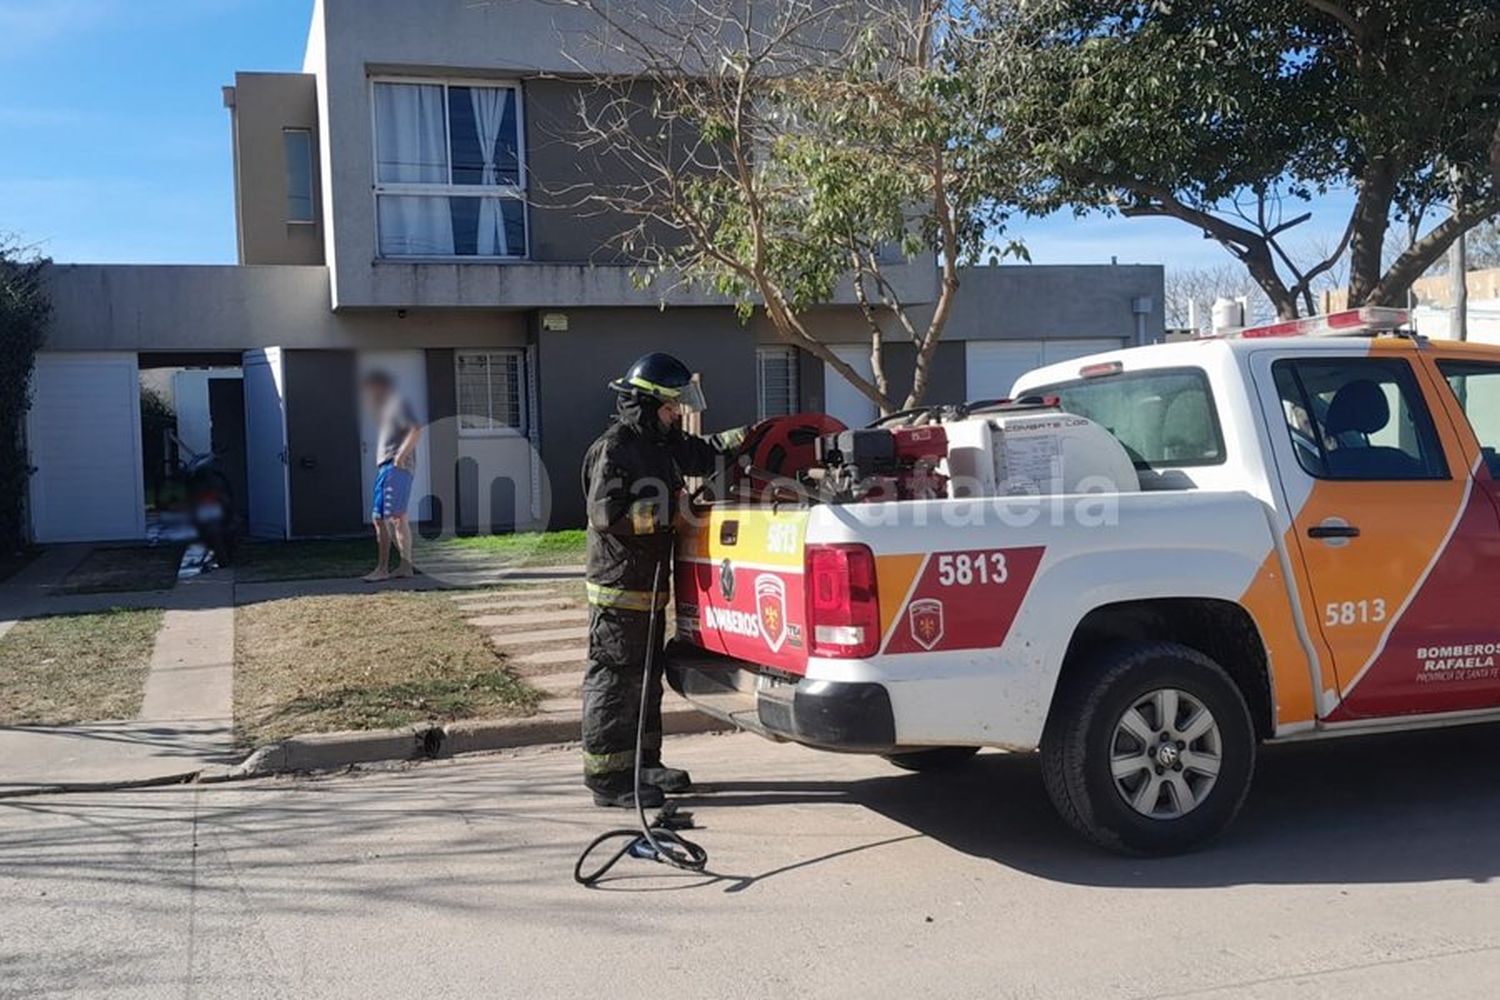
x: 1081, y: 738
x: 935, y: 759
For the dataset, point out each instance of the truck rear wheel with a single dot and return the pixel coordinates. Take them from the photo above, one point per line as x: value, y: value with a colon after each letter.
x: 935, y: 759
x: 1149, y: 749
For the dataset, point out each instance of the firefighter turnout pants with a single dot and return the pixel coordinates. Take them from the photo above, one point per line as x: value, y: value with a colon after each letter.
x: 618, y: 642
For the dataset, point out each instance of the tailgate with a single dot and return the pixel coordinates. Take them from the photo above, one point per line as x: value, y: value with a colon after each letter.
x: 739, y: 585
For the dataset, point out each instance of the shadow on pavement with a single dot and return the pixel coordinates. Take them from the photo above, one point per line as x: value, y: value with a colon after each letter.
x: 1413, y: 807
x: 456, y: 838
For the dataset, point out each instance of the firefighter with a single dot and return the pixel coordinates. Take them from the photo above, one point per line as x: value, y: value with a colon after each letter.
x: 632, y: 479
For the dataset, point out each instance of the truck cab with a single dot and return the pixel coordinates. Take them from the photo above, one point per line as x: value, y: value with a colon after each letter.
x: 1144, y: 565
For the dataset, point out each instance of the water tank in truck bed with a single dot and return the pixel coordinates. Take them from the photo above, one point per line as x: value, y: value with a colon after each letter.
x: 1036, y: 452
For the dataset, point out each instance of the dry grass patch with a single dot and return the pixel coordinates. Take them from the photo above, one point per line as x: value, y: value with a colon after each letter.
x: 324, y: 664
x: 76, y: 668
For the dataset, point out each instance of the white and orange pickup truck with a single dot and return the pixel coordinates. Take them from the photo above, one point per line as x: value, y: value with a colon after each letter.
x: 1152, y: 562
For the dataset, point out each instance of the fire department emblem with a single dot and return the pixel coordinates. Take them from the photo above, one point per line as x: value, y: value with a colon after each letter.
x: 926, y: 619
x: 770, y: 603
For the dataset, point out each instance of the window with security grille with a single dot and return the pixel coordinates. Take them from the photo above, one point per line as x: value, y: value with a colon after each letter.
x: 491, y: 392
x: 776, y: 381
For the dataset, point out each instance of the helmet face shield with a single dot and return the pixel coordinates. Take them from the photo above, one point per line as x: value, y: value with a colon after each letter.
x: 688, y: 396
x: 691, y: 398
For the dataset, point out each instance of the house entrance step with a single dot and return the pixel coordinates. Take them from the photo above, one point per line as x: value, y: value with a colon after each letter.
x: 551, y: 657
x: 540, y: 636
x: 530, y: 618
x: 557, y: 685
x: 515, y: 604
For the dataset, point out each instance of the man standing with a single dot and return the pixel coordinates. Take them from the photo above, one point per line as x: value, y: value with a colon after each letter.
x: 396, y: 462
x: 632, y: 477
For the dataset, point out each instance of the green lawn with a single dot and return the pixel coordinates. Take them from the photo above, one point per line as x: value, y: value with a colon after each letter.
x: 552, y: 548
x: 258, y: 562
x: 76, y: 668
x: 368, y: 661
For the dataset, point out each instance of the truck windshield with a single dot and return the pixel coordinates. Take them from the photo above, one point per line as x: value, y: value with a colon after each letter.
x: 1165, y: 418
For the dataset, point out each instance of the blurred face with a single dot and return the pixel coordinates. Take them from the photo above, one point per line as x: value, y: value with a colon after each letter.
x: 669, y: 413
x: 376, y: 393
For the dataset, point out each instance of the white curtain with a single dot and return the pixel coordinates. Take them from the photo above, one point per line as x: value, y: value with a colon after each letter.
x: 411, y: 147
x: 489, y: 117
x: 415, y: 226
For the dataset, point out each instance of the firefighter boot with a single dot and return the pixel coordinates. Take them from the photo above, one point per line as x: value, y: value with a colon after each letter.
x: 669, y: 779
x: 620, y: 794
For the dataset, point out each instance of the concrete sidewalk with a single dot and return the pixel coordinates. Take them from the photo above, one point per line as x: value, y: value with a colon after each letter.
x: 276, y: 590
x: 186, y: 718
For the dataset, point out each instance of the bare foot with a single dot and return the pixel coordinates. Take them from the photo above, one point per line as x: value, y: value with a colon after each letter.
x: 376, y: 576
x: 404, y: 573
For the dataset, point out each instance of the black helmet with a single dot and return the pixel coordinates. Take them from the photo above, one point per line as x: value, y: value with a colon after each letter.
x: 663, y: 378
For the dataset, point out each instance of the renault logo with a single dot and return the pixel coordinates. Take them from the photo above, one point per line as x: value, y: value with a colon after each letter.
x: 726, y: 580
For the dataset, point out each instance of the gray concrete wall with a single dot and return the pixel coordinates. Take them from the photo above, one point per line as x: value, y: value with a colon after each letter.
x: 264, y: 105
x: 1033, y: 301
x: 203, y: 308
x: 574, y: 369
x: 525, y: 40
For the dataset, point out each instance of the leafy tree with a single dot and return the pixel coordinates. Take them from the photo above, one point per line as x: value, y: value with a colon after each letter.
x: 780, y: 153
x: 24, y: 312
x: 1231, y: 116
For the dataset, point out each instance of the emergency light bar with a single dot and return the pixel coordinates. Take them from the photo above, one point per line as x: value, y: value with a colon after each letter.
x: 1365, y: 322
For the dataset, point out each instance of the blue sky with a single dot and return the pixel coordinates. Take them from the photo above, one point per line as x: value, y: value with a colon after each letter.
x: 114, y: 144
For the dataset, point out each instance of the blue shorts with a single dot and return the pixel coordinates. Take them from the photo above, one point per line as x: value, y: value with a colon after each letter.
x: 392, y: 492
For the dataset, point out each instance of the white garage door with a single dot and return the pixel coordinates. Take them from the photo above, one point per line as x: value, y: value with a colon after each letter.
x: 84, y: 438
x: 994, y: 365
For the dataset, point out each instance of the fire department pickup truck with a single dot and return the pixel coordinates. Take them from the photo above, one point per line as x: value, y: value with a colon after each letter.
x: 1148, y: 564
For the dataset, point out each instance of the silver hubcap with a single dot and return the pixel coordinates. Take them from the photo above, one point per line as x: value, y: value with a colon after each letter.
x: 1165, y: 754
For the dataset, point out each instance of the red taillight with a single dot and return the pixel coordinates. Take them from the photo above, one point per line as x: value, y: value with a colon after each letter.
x: 843, y: 608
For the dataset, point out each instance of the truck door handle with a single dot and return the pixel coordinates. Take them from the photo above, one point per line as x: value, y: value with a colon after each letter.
x: 1327, y: 531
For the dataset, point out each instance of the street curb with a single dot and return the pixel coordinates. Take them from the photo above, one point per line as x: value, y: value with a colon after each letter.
x: 333, y: 751
x: 74, y: 787
x: 316, y: 752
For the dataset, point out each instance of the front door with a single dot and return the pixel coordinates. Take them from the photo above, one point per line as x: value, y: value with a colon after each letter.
x: 1387, y: 522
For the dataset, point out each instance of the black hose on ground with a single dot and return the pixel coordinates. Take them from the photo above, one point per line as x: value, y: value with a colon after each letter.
x: 651, y: 841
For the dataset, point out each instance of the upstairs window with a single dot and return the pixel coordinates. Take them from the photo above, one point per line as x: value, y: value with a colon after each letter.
x: 297, y: 144
x: 450, y: 176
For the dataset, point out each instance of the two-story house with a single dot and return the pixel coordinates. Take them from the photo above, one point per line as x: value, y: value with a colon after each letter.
x: 396, y: 210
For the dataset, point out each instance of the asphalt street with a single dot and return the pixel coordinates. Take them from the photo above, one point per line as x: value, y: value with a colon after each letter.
x: 1359, y: 868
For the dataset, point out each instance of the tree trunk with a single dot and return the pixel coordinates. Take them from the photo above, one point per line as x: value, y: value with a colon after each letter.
x: 1372, y: 213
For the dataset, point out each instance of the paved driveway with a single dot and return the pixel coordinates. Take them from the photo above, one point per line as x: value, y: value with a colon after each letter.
x: 1360, y: 868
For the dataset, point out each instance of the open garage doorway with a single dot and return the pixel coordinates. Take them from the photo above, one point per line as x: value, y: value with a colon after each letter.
x: 192, y: 410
